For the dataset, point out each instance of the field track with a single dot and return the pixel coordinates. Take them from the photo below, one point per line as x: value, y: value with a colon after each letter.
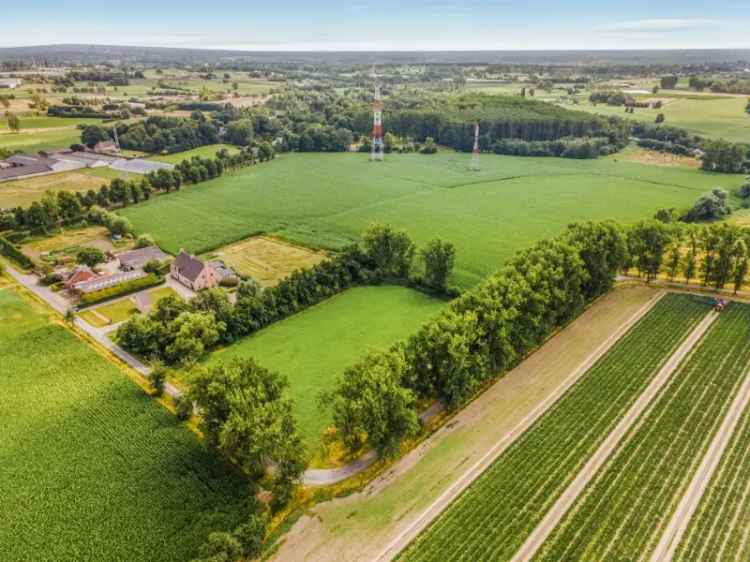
x: 568, y: 498
x: 624, y: 512
x: 404, y: 538
x: 667, y: 546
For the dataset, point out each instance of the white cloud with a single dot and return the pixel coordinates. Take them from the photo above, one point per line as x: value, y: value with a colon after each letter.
x: 661, y: 25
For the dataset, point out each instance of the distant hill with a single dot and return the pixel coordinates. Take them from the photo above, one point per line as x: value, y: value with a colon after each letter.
x: 58, y: 54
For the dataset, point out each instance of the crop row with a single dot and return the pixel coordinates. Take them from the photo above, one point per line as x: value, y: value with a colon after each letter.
x: 621, y: 514
x: 92, y: 468
x: 720, y: 529
x: 492, y: 518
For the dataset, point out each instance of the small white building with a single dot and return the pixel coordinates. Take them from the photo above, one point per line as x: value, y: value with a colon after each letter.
x: 10, y: 83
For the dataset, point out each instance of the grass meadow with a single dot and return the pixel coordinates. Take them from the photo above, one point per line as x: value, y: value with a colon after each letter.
x: 208, y: 151
x: 709, y: 116
x: 326, y: 200
x: 314, y: 347
x: 93, y: 468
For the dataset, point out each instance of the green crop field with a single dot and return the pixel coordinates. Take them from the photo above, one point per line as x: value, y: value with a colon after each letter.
x: 325, y: 200
x: 313, y: 347
x: 719, y: 529
x: 623, y: 511
x: 92, y: 468
x: 42, y: 133
x: 709, y: 116
x: 208, y: 151
x: 493, y: 517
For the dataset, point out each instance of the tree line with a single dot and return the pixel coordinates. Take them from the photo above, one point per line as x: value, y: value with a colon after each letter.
x: 58, y: 208
x: 180, y: 333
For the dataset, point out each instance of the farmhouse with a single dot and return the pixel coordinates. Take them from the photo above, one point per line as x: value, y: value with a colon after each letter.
x: 77, y: 276
x: 193, y: 272
x: 136, y: 259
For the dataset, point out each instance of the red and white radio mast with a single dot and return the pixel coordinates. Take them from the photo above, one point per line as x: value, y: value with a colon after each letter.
x: 377, y: 128
x: 475, y: 152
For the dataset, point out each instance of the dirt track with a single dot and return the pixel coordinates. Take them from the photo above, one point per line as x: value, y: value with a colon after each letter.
x: 680, y: 520
x: 589, y: 471
x: 411, y: 531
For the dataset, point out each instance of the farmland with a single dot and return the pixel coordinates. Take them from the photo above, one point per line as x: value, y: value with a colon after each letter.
x: 325, y: 200
x: 23, y: 192
x: 42, y: 133
x: 208, y: 151
x: 720, y: 527
x: 620, y: 515
x: 93, y: 468
x: 302, y: 347
x: 521, y: 485
x: 267, y: 260
x: 705, y: 115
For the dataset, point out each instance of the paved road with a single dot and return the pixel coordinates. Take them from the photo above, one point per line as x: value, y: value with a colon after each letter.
x: 680, y: 520
x: 99, y: 334
x: 435, y: 508
x: 312, y: 477
x: 605, y: 450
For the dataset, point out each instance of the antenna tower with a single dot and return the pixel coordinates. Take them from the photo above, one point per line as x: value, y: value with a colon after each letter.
x: 378, y: 145
x: 475, y: 152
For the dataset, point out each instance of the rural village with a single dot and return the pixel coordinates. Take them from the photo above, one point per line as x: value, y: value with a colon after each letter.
x: 333, y: 305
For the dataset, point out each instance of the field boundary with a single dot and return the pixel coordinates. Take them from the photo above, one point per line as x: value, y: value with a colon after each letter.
x: 463, y: 482
x: 610, y: 444
x: 682, y: 516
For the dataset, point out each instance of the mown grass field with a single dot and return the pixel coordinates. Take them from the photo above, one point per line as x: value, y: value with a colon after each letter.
x: 326, y: 200
x: 622, y: 512
x: 92, y: 468
x: 710, y: 116
x: 122, y: 309
x: 315, y: 346
x: 720, y: 527
x: 267, y: 260
x: 42, y: 133
x: 208, y: 151
x: 493, y: 517
x: 23, y: 192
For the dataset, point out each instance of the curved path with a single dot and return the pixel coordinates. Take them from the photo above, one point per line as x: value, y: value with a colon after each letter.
x: 591, y: 468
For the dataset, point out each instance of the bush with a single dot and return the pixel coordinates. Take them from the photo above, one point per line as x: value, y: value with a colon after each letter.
x: 120, y: 290
x: 51, y: 279
x: 152, y: 266
x: 90, y: 256
x: 183, y: 408
x: 144, y: 241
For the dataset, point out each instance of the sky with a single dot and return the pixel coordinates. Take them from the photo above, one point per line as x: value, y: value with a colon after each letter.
x: 385, y: 25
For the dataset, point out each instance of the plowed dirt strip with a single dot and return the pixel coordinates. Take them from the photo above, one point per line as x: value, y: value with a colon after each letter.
x: 492, y: 518
x: 718, y: 531
x: 624, y: 511
x: 587, y: 474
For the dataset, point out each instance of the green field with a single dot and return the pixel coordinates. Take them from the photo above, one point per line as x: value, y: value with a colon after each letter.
x: 42, y: 133
x: 208, y: 151
x: 326, y: 200
x: 493, y: 517
x: 621, y: 514
x: 709, y: 116
x: 92, y: 468
x: 719, y: 529
x: 314, y: 347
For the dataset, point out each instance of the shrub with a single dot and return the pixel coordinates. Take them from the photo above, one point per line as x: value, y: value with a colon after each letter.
x: 14, y: 254
x: 120, y: 290
x: 90, y: 256
x: 183, y: 408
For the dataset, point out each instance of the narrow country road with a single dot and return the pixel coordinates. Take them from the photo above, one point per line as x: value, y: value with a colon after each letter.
x: 591, y: 468
x: 680, y: 520
x: 435, y: 508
